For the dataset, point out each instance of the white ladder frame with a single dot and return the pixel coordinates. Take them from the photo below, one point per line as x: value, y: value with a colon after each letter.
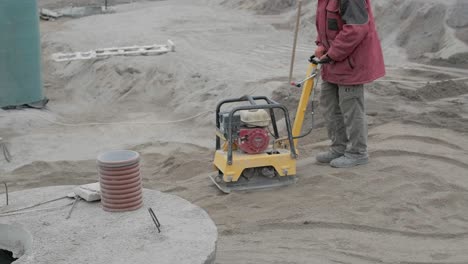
x: 115, y: 51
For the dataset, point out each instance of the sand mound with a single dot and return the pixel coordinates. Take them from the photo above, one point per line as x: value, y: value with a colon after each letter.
x: 56, y: 4
x: 422, y: 29
x: 443, y: 90
x: 112, y: 85
x: 436, y: 91
x: 458, y: 17
x: 462, y: 34
x: 418, y: 35
x: 262, y: 6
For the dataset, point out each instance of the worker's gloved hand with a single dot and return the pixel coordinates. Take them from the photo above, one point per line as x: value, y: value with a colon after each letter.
x: 319, y: 51
x: 325, y: 59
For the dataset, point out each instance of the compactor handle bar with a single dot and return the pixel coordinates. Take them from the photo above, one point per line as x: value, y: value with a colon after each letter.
x: 316, y: 61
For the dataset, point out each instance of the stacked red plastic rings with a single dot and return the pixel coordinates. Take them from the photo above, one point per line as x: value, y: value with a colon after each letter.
x: 120, y: 180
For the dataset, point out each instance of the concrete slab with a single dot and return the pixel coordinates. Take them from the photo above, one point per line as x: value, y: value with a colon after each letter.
x: 91, y: 235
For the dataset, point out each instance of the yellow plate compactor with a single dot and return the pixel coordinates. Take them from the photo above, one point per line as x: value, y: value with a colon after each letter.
x: 250, y: 153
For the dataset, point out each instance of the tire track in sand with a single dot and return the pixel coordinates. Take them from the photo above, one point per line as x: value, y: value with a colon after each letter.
x: 423, y: 139
x: 307, y: 225
x: 356, y: 243
x: 394, y: 152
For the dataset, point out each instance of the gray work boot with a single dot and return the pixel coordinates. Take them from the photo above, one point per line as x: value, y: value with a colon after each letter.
x: 327, y: 157
x: 348, y: 162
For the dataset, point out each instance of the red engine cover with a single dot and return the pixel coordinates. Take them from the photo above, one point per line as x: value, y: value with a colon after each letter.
x: 253, y: 140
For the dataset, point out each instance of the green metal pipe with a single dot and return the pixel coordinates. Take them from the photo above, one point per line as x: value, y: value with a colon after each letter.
x: 20, y: 53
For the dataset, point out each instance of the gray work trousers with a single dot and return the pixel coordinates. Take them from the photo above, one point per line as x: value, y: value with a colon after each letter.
x: 343, y: 108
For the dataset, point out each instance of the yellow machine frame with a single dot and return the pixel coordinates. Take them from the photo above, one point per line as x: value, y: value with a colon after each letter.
x: 282, y: 158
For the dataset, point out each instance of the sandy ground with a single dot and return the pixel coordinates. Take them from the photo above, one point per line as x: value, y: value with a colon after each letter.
x: 407, y: 206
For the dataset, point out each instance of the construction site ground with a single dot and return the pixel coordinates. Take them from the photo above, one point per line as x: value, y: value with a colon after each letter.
x: 408, y: 205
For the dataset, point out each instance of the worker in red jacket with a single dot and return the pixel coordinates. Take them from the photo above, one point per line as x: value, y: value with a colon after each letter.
x: 347, y: 39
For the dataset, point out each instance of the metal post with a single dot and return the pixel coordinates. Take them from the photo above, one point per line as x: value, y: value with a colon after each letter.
x: 293, y: 57
x: 6, y: 192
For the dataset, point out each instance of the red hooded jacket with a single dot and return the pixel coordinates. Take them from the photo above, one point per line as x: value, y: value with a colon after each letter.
x: 346, y: 29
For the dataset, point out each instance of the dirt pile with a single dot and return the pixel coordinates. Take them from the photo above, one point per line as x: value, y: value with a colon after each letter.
x: 262, y: 6
x: 424, y: 29
x: 442, y: 90
x: 458, y: 17
x: 112, y: 85
x: 56, y: 4
x: 419, y: 36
